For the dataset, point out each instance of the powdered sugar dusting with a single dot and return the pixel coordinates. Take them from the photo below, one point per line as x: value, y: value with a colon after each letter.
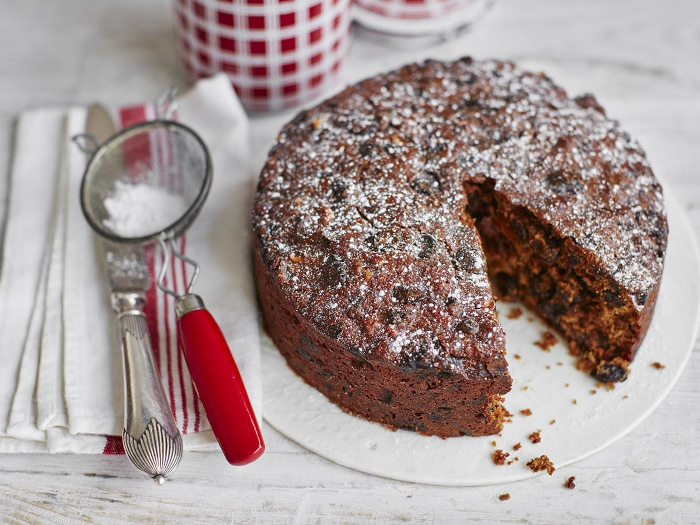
x: 360, y: 206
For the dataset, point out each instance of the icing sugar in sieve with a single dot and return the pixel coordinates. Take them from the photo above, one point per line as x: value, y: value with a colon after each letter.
x: 139, y: 210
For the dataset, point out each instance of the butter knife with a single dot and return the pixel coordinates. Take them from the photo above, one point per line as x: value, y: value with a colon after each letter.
x: 151, y: 439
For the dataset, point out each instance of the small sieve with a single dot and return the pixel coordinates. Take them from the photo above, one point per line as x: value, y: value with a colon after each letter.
x: 126, y: 159
x: 171, y: 159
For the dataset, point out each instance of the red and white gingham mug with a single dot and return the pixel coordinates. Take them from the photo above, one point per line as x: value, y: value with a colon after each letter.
x: 277, y: 53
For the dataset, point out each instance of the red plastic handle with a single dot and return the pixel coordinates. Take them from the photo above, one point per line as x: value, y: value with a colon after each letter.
x: 220, y: 388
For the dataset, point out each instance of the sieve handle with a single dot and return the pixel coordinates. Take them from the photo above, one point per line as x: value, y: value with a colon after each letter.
x: 218, y: 382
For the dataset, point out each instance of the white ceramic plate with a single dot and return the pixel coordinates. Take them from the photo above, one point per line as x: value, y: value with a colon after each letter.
x: 545, y: 382
x: 471, y: 11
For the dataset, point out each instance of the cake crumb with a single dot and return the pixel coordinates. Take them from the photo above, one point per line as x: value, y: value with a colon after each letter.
x: 517, y: 446
x: 574, y: 401
x: 559, y: 363
x: 547, y: 341
x: 552, y: 421
x: 504, y: 497
x: 584, y: 366
x: 524, y: 388
x: 499, y: 457
x: 569, y: 484
x: 548, y: 367
x: 608, y: 385
x: 493, y: 443
x: 625, y: 396
x: 526, y: 412
x: 530, y: 319
x: 517, y: 356
x: 515, y: 313
x: 541, y: 463
x: 593, y: 391
x: 567, y: 385
x: 535, y: 437
x: 658, y: 365
x: 507, y: 418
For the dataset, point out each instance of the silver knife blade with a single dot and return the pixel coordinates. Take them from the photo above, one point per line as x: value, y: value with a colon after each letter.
x: 99, y: 123
x: 127, y: 269
x: 126, y: 264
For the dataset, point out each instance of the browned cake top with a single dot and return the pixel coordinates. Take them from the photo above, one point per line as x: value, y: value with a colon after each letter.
x: 360, y: 205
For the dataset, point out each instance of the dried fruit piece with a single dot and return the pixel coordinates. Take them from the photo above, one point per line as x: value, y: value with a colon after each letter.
x: 467, y: 326
x: 609, y: 372
x: 408, y: 295
x: 428, y: 246
x: 426, y: 184
x: 469, y: 260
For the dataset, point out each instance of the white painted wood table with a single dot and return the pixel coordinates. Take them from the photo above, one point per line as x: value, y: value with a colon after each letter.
x: 641, y: 58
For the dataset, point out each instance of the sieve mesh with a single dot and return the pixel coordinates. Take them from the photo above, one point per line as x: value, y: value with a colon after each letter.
x: 163, y: 155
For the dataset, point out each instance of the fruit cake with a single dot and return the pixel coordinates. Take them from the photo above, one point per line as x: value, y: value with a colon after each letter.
x: 387, y: 217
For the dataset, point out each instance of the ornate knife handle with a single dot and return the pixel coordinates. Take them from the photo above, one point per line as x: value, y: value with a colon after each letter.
x: 151, y: 438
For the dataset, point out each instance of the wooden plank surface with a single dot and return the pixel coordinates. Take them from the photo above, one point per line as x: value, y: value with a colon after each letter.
x: 640, y: 58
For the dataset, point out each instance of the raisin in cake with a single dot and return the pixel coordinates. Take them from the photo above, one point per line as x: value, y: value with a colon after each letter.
x: 378, y: 211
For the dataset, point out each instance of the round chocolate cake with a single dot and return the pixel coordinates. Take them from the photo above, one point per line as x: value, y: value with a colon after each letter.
x: 385, y: 215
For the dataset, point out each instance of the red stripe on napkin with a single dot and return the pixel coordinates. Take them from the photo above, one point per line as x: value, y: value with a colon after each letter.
x: 195, y: 399
x: 163, y: 312
x: 181, y: 287
x: 114, y: 446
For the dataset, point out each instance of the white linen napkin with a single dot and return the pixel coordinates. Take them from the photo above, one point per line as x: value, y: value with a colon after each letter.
x: 61, y: 374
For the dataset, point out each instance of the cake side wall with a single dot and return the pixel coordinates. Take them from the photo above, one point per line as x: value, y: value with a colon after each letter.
x: 425, y: 401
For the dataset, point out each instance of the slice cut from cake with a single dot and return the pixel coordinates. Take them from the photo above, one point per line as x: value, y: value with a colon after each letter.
x: 382, y: 212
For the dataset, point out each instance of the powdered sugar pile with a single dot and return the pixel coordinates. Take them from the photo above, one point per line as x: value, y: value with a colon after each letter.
x: 138, y: 210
